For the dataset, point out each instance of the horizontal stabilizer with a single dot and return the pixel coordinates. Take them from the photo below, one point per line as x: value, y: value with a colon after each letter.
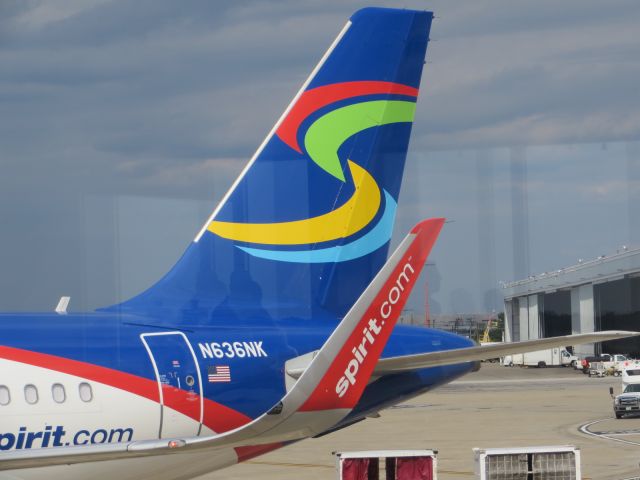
x: 63, y: 304
x: 485, y: 352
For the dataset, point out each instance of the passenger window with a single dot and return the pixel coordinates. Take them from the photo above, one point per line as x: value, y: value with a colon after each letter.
x: 59, y: 395
x: 5, y: 396
x: 86, y: 394
x: 31, y: 394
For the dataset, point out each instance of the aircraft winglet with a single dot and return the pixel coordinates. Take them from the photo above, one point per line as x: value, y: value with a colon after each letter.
x: 352, y: 351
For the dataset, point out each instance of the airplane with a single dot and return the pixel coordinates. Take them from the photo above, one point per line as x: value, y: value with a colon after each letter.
x: 279, y: 321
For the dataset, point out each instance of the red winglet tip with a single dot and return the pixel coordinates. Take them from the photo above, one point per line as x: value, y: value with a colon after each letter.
x: 431, y: 223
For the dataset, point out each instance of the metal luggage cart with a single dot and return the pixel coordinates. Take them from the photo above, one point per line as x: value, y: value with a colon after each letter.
x: 597, y: 369
x: 387, y: 465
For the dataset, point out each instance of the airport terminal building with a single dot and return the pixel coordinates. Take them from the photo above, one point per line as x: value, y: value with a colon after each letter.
x: 601, y: 294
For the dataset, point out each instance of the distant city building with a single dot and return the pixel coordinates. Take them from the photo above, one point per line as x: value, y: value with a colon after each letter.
x: 591, y: 296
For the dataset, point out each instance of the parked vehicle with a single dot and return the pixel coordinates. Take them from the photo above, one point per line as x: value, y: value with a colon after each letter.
x: 587, y: 362
x: 606, y: 364
x: 553, y: 357
x: 625, y: 363
x: 628, y: 402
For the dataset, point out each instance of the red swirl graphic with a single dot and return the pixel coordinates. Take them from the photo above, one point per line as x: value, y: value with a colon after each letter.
x: 316, y: 98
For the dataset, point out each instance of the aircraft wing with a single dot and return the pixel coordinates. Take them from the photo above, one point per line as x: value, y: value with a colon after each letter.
x: 323, y: 395
x: 406, y: 363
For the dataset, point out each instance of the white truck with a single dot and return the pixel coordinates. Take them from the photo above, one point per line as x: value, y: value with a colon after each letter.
x: 628, y: 402
x: 621, y: 363
x: 553, y: 357
x: 607, y: 364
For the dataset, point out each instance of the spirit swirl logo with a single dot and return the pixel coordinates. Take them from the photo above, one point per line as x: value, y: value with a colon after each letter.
x: 322, y: 140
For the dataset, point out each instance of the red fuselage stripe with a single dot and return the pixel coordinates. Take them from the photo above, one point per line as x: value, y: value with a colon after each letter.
x: 115, y: 378
x: 217, y: 417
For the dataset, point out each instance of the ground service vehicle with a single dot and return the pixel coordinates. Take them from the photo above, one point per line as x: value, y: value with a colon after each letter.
x: 628, y: 402
x: 553, y: 357
x: 606, y: 364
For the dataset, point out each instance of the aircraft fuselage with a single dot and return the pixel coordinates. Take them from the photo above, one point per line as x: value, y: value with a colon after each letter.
x: 100, y: 378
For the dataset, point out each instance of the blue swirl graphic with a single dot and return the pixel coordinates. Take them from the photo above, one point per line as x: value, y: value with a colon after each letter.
x: 376, y: 238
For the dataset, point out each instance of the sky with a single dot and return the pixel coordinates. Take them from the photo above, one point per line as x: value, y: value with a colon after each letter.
x: 124, y: 121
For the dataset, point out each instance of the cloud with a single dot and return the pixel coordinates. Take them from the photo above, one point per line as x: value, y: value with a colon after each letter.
x: 160, y: 78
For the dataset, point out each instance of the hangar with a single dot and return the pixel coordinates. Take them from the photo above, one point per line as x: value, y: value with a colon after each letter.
x: 595, y: 295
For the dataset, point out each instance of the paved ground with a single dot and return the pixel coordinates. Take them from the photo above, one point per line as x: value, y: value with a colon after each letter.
x: 495, y: 407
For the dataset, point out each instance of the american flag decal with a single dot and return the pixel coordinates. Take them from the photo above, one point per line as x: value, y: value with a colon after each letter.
x: 219, y: 373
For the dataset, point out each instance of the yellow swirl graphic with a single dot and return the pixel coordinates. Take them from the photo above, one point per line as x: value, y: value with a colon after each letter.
x: 351, y: 217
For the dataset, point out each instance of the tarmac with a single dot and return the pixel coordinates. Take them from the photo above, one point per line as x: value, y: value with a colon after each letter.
x: 495, y: 407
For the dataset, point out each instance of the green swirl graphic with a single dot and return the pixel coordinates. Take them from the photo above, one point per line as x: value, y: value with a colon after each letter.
x: 325, y: 135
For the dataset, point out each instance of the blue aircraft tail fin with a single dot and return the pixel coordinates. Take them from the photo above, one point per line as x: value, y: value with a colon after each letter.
x: 307, y: 224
